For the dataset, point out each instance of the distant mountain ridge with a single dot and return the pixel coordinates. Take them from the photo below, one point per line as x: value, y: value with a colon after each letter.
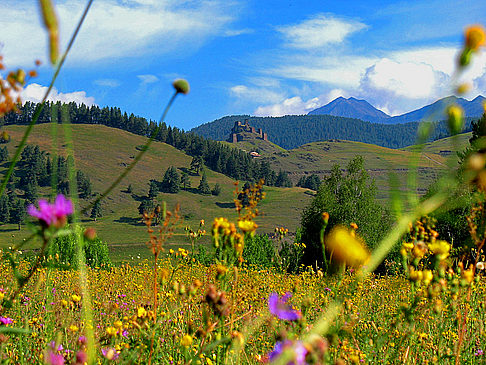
x: 351, y: 108
x: 361, y: 109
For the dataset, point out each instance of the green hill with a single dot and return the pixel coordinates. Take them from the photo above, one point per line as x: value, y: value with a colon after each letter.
x: 103, y: 153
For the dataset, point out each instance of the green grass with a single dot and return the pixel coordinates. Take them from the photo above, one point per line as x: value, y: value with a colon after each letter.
x: 103, y: 153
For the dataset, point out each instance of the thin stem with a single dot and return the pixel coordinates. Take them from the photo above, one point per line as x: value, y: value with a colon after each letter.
x: 40, y: 106
x: 136, y: 160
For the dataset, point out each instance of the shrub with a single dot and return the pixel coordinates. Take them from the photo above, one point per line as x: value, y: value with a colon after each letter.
x: 259, y: 251
x: 95, y: 251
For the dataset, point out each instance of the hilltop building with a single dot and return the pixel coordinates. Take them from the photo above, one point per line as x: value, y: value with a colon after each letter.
x: 239, y: 130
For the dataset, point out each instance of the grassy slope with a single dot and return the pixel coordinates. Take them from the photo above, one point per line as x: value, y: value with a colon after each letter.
x: 103, y: 153
x: 319, y: 157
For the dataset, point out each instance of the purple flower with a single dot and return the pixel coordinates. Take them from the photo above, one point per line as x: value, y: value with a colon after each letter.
x: 279, y: 307
x: 52, y: 214
x: 6, y: 320
x: 298, y: 348
x: 109, y: 353
x: 54, y: 359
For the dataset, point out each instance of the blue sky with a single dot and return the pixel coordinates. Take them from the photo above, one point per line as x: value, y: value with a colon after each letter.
x: 267, y: 57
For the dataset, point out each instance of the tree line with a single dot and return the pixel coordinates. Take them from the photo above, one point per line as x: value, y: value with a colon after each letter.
x: 227, y: 160
x: 292, y: 131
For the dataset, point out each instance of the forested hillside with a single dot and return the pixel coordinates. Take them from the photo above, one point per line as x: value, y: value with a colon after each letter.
x: 292, y: 131
x: 221, y: 158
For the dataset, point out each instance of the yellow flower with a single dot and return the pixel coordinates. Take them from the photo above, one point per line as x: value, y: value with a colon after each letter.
x: 141, y: 312
x: 186, y: 340
x: 1, y: 296
x: 427, y: 277
x: 73, y: 328
x: 455, y: 118
x: 118, y: 324
x: 475, y: 37
x: 247, y: 226
x: 440, y: 248
x: 111, y: 331
x: 75, y: 298
x: 468, y: 275
x: 346, y: 248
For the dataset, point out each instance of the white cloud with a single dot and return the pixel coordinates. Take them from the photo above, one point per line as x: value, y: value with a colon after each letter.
x: 237, y: 32
x: 407, y: 79
x: 35, y: 93
x: 256, y: 94
x: 107, y: 82
x: 319, y: 31
x: 148, y: 79
x: 113, y: 28
x: 296, y: 106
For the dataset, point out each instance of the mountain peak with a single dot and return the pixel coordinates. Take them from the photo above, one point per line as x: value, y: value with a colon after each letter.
x: 351, y: 108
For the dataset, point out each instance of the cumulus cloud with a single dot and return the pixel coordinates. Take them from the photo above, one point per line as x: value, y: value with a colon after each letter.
x: 35, y: 93
x: 319, y: 31
x: 296, y: 106
x: 113, y: 28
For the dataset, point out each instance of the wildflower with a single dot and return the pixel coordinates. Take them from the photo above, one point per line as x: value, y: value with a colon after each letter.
x: 111, y: 331
x: 300, y: 351
x: 109, y: 353
x: 440, y: 248
x: 455, y: 118
x: 279, y: 307
x: 248, y: 226
x: 73, y: 328
x: 52, y: 214
x: 186, y: 340
x: 475, y: 37
x: 81, y: 358
x: 54, y: 359
x: 346, y: 248
x: 6, y: 320
x: 480, y: 265
x: 75, y: 298
x: 141, y: 312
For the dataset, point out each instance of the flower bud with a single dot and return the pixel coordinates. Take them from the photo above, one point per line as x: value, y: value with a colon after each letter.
x: 455, y: 119
x: 181, y: 86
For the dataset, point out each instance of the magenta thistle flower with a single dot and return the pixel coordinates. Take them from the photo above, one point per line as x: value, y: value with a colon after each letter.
x: 279, y: 307
x: 5, y: 320
x: 52, y: 214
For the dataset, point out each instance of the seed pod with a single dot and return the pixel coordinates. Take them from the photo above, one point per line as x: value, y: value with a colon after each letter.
x: 181, y: 86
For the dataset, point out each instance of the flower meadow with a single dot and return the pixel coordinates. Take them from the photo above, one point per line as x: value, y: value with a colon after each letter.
x: 178, y: 308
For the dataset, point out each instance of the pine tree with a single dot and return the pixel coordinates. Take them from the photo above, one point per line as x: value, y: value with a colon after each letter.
x: 96, y: 211
x: 153, y: 189
x: 171, y: 181
x: 216, y: 190
x: 84, y: 184
x: 3, y: 154
x: 18, y: 213
x: 30, y: 192
x: 4, y: 209
x: 203, y: 187
x: 185, y: 180
x: 146, y: 206
x: 197, y: 164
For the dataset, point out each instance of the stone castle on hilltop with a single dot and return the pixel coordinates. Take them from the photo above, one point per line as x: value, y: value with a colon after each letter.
x: 236, y: 134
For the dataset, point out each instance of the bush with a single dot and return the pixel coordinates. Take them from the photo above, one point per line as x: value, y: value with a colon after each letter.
x: 348, y: 198
x: 95, y: 251
x: 259, y: 251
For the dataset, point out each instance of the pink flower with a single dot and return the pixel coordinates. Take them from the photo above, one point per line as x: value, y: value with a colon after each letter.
x: 54, y: 359
x: 5, y: 320
x: 52, y: 214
